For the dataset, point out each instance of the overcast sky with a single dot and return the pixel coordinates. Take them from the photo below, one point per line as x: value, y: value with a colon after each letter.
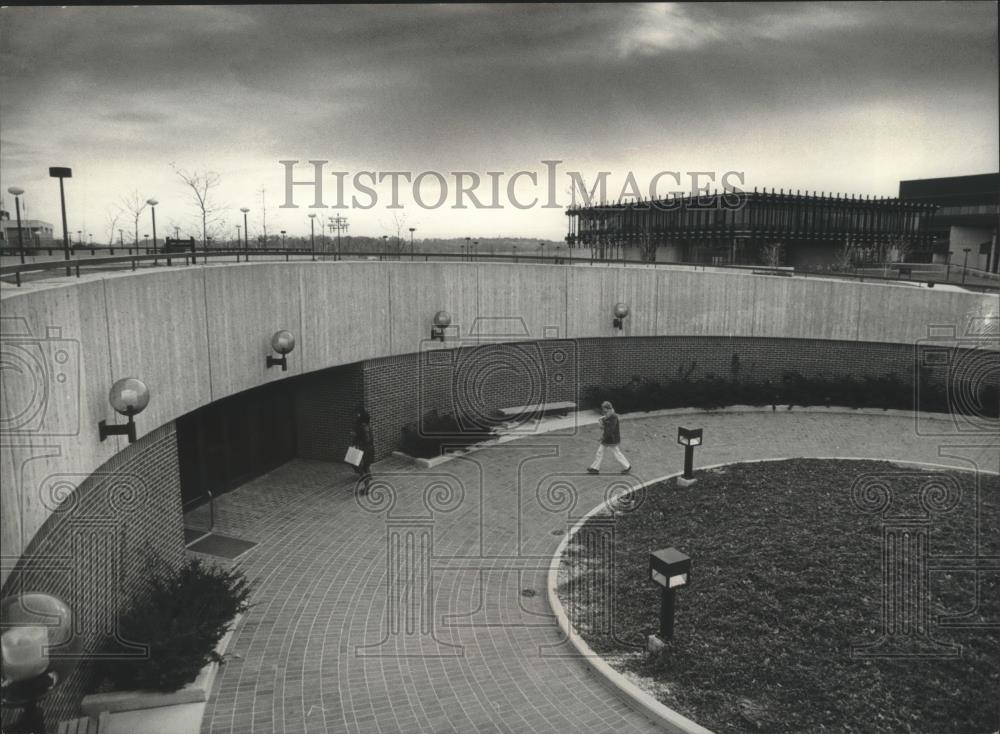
x: 833, y: 97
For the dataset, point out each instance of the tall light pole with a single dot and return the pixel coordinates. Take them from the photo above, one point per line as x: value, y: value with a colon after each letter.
x: 475, y: 247
x: 965, y: 263
x: 152, y: 210
x: 16, y: 193
x: 283, y: 245
x: 467, y: 250
x: 312, y: 235
x: 412, y: 230
x: 62, y: 173
x: 246, y: 231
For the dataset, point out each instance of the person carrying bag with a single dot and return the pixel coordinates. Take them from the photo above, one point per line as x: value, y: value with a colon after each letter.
x: 362, y: 449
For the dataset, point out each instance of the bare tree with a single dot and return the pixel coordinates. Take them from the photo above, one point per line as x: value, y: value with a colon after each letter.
x: 843, y: 258
x: 771, y: 254
x: 111, y: 217
x: 202, y: 185
x: 134, y: 205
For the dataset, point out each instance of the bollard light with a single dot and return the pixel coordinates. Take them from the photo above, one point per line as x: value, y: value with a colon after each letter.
x: 621, y: 313
x: 129, y: 397
x: 671, y: 570
x: 282, y: 342
x: 442, y: 320
x: 688, y: 438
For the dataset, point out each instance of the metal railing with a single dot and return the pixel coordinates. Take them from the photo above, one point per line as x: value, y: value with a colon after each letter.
x: 18, y: 273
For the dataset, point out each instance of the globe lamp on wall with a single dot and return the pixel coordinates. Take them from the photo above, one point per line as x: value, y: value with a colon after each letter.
x: 442, y: 320
x: 282, y: 342
x: 39, y: 650
x: 129, y: 397
x: 620, y: 314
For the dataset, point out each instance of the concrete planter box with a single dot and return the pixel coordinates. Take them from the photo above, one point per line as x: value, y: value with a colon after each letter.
x: 195, y: 692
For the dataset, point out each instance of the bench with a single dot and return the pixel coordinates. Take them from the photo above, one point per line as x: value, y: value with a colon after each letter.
x: 559, y: 408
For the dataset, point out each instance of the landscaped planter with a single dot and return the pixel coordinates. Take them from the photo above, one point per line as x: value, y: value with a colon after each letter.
x: 195, y: 692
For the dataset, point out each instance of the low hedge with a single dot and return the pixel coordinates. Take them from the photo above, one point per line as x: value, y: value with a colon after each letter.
x: 885, y: 392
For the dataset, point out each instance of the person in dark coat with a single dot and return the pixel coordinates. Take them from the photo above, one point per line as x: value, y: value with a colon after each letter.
x: 363, y: 440
x: 610, y: 438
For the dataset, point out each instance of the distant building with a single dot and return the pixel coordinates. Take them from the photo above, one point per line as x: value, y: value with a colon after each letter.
x: 35, y: 232
x: 747, y: 228
x: 967, y: 216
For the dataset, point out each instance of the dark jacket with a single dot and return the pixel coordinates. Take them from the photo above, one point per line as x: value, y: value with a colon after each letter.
x: 611, y: 435
x: 363, y: 436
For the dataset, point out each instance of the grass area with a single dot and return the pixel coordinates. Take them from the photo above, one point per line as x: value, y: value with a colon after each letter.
x: 786, y: 578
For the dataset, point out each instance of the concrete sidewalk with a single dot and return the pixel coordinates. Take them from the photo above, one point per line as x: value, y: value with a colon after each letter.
x: 344, y: 637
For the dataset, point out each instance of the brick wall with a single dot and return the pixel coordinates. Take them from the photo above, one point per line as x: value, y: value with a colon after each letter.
x: 325, y: 402
x: 94, y: 550
x: 400, y: 389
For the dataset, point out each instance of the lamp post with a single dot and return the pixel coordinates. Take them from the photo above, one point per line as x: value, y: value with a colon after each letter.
x: 385, y: 245
x: 16, y: 193
x: 412, y: 230
x: 152, y: 210
x: 62, y: 173
x: 467, y: 250
x: 284, y: 246
x: 965, y: 263
x: 475, y: 248
x: 239, y: 241
x: 312, y: 235
x: 688, y: 438
x: 145, y: 239
x: 246, y: 231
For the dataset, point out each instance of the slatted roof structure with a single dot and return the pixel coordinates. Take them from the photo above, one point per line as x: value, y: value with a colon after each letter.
x: 739, y: 223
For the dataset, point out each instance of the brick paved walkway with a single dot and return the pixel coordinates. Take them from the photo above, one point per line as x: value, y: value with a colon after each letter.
x: 327, y: 648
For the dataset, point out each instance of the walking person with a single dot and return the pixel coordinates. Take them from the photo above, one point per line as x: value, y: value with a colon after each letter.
x: 610, y: 438
x: 363, y: 440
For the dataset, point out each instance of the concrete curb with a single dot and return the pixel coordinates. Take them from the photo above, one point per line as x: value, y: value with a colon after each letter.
x: 641, y: 701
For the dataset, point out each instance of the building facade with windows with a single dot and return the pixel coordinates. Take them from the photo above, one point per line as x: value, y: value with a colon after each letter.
x: 966, y: 218
x: 35, y: 232
x: 759, y: 227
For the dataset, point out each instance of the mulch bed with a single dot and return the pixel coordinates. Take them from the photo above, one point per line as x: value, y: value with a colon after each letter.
x: 786, y: 580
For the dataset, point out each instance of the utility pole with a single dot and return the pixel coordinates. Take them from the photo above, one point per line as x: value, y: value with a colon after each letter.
x: 263, y: 215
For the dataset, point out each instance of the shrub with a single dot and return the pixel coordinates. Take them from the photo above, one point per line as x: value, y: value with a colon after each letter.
x: 181, y: 619
x: 886, y: 391
x: 426, y: 437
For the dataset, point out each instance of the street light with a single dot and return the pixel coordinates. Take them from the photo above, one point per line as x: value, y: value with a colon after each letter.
x: 312, y: 235
x: 965, y: 263
x: 16, y: 193
x: 61, y: 173
x: 283, y: 245
x: 246, y: 231
x: 412, y: 230
x: 152, y: 203
x: 468, y: 251
x: 475, y: 247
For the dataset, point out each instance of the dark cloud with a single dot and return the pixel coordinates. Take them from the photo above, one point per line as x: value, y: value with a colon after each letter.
x: 452, y: 86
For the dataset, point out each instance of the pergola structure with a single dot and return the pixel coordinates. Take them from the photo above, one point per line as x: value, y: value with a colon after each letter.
x: 776, y: 228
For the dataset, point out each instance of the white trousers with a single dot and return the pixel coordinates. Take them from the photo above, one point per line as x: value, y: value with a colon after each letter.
x: 615, y: 451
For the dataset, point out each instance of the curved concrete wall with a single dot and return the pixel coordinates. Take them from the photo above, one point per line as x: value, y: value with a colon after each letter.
x: 198, y: 334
